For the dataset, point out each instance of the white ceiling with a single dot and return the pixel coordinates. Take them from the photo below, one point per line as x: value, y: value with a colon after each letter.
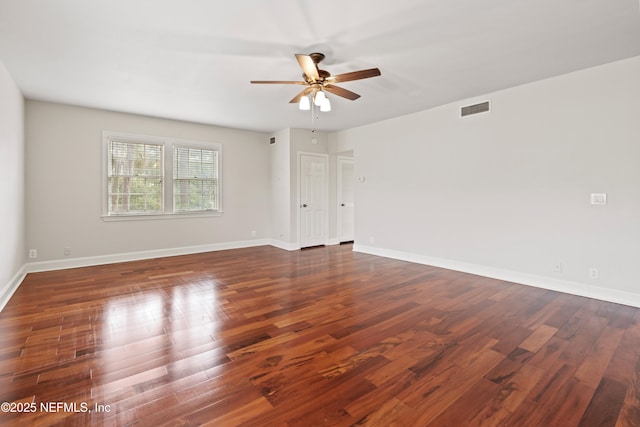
x: 193, y: 59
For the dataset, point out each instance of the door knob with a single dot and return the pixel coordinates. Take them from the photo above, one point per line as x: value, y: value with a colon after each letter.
x: 341, y: 204
x: 304, y: 205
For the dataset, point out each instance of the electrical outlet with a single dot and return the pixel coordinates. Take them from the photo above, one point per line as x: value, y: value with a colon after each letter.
x: 33, y: 253
x: 557, y: 267
x: 372, y: 240
x: 254, y: 233
x: 67, y: 251
x: 593, y: 273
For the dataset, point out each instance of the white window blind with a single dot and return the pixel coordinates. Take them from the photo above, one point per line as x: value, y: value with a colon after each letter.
x: 135, y: 178
x: 195, y: 179
x: 148, y: 176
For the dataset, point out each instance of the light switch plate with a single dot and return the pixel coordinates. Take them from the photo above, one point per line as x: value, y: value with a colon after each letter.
x: 598, y: 198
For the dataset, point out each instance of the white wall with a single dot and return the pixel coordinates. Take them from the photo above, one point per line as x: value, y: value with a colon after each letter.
x: 64, y: 167
x: 12, y: 186
x: 506, y: 194
x: 281, y: 190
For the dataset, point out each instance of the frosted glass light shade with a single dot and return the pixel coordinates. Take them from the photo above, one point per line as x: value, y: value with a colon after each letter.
x: 304, y: 103
x: 319, y: 98
x: 326, y: 105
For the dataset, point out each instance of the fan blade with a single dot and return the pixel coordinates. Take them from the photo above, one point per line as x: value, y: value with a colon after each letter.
x: 308, y: 66
x: 297, y: 98
x: 341, y: 92
x: 355, y: 75
x: 277, y: 82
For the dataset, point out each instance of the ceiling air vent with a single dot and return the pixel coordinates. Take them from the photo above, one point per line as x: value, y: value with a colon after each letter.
x: 469, y: 110
x: 272, y: 140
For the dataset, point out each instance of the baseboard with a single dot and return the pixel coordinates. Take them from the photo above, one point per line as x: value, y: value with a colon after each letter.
x: 295, y: 246
x: 615, y: 295
x: 9, y: 289
x: 287, y: 246
x: 62, y: 264
x: 565, y: 286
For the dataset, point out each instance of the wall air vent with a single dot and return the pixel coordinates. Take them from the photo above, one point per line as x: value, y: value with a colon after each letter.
x: 272, y: 140
x: 469, y: 110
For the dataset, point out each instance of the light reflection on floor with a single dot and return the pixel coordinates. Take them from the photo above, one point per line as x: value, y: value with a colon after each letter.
x: 172, y: 328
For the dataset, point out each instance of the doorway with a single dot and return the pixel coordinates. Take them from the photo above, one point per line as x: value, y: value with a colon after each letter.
x: 313, y: 199
x: 346, y: 205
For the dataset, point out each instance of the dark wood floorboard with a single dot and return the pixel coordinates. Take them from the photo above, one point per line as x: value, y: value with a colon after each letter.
x: 325, y: 336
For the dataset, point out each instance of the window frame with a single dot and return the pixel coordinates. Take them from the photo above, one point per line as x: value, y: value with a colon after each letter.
x: 167, y: 150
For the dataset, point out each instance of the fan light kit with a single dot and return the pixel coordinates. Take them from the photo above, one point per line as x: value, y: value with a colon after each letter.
x: 319, y: 82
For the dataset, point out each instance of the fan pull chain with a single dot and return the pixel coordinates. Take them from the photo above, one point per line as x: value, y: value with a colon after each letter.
x: 314, y: 116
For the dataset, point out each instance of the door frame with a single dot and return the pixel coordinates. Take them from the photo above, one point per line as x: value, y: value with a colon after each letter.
x: 339, y: 182
x: 325, y: 195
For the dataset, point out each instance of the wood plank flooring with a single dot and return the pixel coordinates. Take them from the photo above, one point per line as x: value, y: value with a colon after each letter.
x: 266, y: 337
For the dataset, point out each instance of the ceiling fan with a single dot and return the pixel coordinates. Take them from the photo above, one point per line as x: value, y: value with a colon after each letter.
x: 318, y: 81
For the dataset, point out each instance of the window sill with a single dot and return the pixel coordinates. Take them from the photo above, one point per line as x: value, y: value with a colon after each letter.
x: 178, y: 215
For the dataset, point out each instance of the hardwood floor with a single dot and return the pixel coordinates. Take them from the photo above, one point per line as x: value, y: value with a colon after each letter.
x: 266, y: 337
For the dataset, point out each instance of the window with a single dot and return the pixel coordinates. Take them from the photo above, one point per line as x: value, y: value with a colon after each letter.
x: 195, y: 179
x: 148, y: 176
x: 135, y: 178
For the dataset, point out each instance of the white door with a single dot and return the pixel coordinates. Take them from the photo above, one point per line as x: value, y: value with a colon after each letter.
x: 346, y: 180
x: 313, y: 200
